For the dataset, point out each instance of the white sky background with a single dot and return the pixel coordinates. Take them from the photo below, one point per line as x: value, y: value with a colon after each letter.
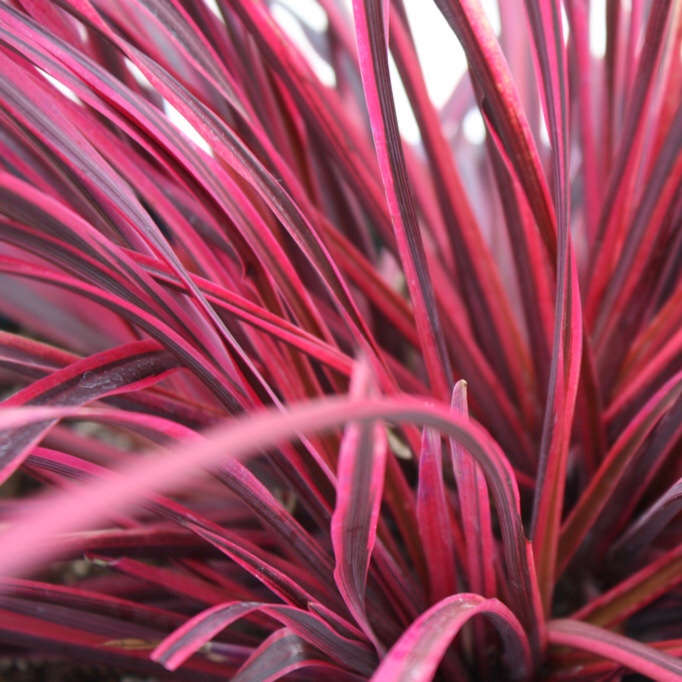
x: 440, y: 54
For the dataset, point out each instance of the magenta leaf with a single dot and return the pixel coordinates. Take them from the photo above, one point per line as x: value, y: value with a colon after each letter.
x: 609, y: 238
x: 643, y: 531
x: 253, y: 434
x: 546, y: 23
x: 360, y: 481
x: 633, y: 655
x: 283, y: 652
x: 27, y: 630
x: 634, y: 593
x: 236, y: 295
x: 126, y: 368
x: 472, y: 492
x: 197, y: 631
x: 502, y: 109
x: 490, y: 315
x: 605, y: 481
x: 418, y: 652
x: 371, y: 24
x: 434, y: 515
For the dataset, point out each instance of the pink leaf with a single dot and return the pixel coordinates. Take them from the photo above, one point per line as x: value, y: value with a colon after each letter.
x: 370, y: 25
x: 474, y: 502
x: 361, y: 471
x: 433, y: 514
x: 634, y: 655
x: 417, y: 654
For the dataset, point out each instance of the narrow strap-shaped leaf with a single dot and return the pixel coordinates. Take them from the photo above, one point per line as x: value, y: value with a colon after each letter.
x: 370, y: 23
x: 546, y: 24
x: 77, y: 598
x: 281, y: 653
x: 156, y: 328
x: 636, y: 592
x: 43, y: 51
x: 289, y: 583
x: 350, y: 654
x: 253, y: 434
x: 125, y: 368
x: 193, y: 633
x: 651, y: 370
x: 433, y: 514
x: 568, y: 663
x: 91, y: 254
x: 293, y: 538
x: 650, y: 523
x: 140, y: 317
x: 189, y: 317
x: 486, y: 385
x: 490, y: 313
x: 530, y: 260
x: 187, y: 586
x: 281, y: 577
x: 38, y: 634
x: 234, y: 151
x: 417, y: 654
x: 129, y: 367
x: 577, y: 13
x: 38, y: 358
x: 638, y: 266
x: 340, y: 137
x: 634, y: 655
x: 605, y: 481
x: 501, y: 107
x: 662, y: 328
x: 657, y: 452
x: 187, y: 639
x: 618, y: 201
x: 474, y: 501
x: 360, y: 482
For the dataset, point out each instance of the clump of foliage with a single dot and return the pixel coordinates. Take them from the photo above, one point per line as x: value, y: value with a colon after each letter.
x: 293, y: 397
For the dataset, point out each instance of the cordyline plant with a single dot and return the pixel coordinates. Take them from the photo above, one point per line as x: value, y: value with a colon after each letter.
x: 300, y: 399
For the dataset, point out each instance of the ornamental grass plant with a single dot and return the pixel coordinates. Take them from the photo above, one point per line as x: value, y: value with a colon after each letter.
x: 286, y: 395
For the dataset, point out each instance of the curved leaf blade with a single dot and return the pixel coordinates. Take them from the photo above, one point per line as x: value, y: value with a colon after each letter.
x: 417, y: 654
x: 634, y: 655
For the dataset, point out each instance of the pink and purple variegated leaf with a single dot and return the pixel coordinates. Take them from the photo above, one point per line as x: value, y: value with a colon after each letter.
x: 197, y: 631
x: 490, y: 314
x: 546, y: 23
x: 125, y: 368
x: 605, y: 481
x: 633, y: 655
x: 474, y: 501
x: 418, y: 653
x: 360, y: 482
x: 26, y: 629
x: 203, y: 289
x: 613, y: 223
x: 645, y: 529
x: 636, y: 592
x: 154, y: 474
x: 284, y: 652
x: 502, y: 109
x: 435, y: 519
x: 371, y: 22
